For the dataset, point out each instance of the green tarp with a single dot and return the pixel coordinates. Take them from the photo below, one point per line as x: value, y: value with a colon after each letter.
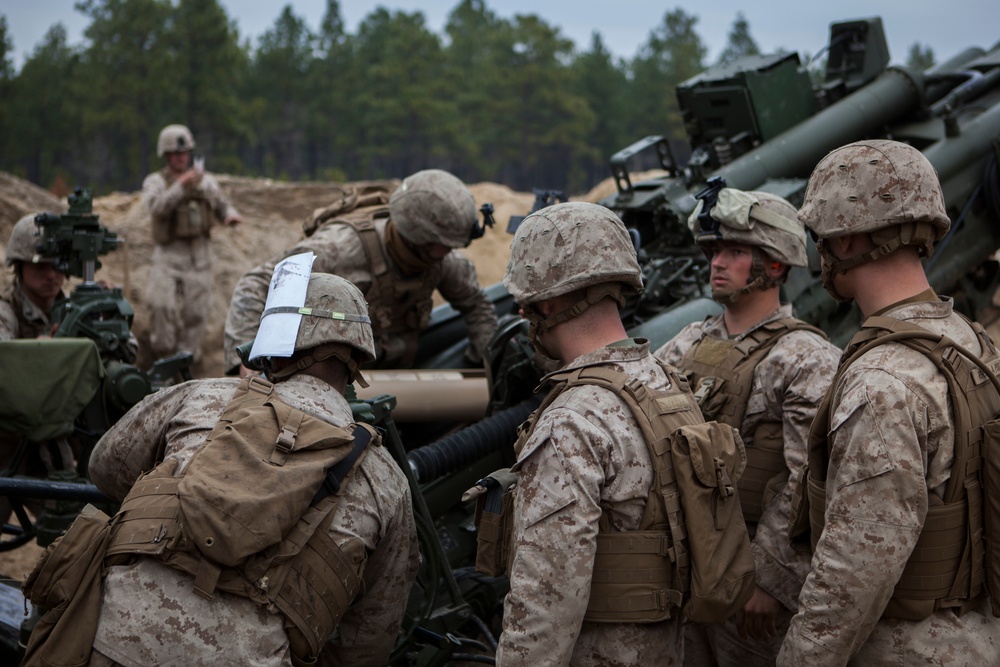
x: 45, y: 384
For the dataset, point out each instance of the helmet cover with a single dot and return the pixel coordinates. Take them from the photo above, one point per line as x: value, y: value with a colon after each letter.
x: 433, y: 206
x: 174, y: 139
x: 562, y: 248
x: 757, y: 219
x: 867, y: 186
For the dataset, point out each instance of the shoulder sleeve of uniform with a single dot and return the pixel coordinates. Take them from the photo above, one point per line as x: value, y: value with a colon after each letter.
x: 674, y: 349
x: 8, y: 321
x: 220, y: 204
x: 136, y: 442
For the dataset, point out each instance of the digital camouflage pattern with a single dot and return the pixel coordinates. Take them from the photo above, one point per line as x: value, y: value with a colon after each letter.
x: 179, y: 290
x: 334, y: 294
x: 586, y: 455
x: 339, y: 251
x: 891, y: 444
x: 20, y: 317
x: 150, y: 613
x: 788, y: 386
x: 870, y: 185
x: 567, y: 247
x: 432, y: 206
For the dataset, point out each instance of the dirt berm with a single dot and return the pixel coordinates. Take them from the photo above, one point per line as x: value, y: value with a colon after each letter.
x: 273, y: 213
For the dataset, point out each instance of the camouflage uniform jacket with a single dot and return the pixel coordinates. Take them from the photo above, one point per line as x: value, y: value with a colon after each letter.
x: 20, y: 317
x: 788, y: 386
x: 339, y: 251
x: 585, y: 457
x: 163, y: 197
x: 150, y: 613
x: 183, y: 256
x: 891, y: 444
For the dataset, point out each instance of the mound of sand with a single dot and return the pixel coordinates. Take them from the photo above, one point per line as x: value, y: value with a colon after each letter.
x: 273, y: 212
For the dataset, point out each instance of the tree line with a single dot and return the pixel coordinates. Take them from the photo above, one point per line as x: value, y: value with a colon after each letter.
x: 507, y: 100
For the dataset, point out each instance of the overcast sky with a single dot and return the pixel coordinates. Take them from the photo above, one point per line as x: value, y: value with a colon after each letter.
x: 947, y: 26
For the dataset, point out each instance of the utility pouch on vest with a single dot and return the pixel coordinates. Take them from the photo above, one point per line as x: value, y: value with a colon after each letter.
x: 66, y: 581
x: 721, y: 374
x: 708, y: 461
x: 494, y: 521
x: 193, y: 219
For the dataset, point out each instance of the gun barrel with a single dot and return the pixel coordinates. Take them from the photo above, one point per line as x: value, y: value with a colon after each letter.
x: 795, y: 152
x: 40, y: 488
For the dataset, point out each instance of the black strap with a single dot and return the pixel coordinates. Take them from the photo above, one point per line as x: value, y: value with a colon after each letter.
x: 335, y: 476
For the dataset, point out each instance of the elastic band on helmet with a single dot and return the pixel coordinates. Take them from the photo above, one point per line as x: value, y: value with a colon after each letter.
x: 317, y: 312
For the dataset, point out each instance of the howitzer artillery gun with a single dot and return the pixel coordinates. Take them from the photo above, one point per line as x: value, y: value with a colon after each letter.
x: 758, y: 124
x: 69, y: 388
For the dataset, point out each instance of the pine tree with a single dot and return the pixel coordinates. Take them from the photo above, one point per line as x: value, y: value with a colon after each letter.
x: 740, y: 43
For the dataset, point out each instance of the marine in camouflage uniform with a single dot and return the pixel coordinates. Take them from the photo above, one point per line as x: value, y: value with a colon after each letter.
x: 751, y: 240
x: 877, y: 207
x: 570, y: 266
x: 429, y: 218
x: 150, y: 613
x: 26, y: 305
x: 184, y: 203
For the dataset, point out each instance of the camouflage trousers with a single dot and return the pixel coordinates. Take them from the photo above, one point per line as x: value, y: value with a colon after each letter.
x: 941, y: 639
x: 720, y: 644
x: 179, y: 296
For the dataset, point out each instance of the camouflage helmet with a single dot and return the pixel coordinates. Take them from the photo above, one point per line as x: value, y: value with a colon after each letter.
x: 566, y: 247
x: 174, y: 139
x: 335, y: 312
x: 757, y: 219
x: 876, y: 186
x: 433, y: 206
x: 24, y: 240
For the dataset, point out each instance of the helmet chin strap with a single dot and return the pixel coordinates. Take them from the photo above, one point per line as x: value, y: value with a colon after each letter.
x: 322, y: 353
x: 886, y: 240
x: 540, y: 324
x: 831, y: 267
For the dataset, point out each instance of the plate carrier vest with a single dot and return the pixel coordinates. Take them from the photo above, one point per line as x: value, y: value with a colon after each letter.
x: 721, y: 375
x: 950, y: 562
x: 191, y: 218
x: 646, y: 575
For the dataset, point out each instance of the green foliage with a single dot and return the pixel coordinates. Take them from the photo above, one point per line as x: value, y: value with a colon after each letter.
x: 672, y: 54
x: 602, y: 83
x: 277, y: 89
x: 6, y: 86
x: 129, y: 83
x: 491, y: 98
x: 46, y: 122
x: 209, y: 64
x: 6, y: 46
x: 402, y: 95
x: 920, y: 57
x: 740, y: 43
